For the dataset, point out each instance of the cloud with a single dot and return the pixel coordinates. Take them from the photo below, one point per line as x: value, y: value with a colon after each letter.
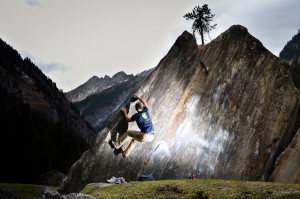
x: 50, y: 67
x: 46, y: 67
x: 33, y: 3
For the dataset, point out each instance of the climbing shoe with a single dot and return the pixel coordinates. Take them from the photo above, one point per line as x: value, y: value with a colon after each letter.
x: 112, y: 144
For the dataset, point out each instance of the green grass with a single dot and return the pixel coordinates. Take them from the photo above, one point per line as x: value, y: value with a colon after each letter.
x: 194, y: 189
x: 25, y: 191
x: 200, y: 189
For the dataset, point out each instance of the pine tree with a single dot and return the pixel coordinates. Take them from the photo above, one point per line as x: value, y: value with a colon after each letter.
x: 202, y: 17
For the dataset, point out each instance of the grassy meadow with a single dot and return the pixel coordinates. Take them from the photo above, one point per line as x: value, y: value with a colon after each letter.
x: 194, y: 189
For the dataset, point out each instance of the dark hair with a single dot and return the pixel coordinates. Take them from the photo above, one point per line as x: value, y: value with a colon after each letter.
x: 138, y: 106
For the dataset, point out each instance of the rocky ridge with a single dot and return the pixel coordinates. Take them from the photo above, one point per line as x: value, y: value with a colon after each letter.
x: 95, y: 85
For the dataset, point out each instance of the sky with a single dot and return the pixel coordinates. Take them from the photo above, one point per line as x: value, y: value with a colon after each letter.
x: 73, y: 40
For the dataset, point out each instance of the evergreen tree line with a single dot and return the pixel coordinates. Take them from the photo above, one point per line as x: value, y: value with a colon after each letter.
x: 292, y: 48
x: 291, y: 52
x: 30, y: 144
x: 13, y: 63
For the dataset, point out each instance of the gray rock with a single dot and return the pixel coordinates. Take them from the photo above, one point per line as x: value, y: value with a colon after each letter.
x: 223, y: 110
x: 52, y: 194
x: 51, y: 178
x: 7, y: 194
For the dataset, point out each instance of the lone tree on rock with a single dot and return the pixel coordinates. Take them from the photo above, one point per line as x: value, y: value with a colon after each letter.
x: 202, y: 17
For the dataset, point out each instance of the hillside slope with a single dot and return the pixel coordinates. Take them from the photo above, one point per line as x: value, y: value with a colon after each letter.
x: 291, y: 53
x: 40, y: 129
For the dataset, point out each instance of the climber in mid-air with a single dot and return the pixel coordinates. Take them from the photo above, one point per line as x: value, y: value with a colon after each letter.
x: 143, y: 120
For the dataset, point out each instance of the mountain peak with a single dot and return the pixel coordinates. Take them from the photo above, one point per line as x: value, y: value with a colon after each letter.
x: 237, y: 29
x: 236, y: 35
x: 119, y: 75
x: 95, y: 85
x: 183, y: 41
x: 93, y: 79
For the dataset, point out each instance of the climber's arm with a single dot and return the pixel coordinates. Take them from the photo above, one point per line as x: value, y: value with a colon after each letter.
x: 141, y: 100
x: 128, y: 119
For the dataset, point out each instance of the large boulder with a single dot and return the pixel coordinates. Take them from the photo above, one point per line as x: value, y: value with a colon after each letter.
x: 7, y: 194
x: 52, y: 194
x: 224, y: 110
x: 51, y: 178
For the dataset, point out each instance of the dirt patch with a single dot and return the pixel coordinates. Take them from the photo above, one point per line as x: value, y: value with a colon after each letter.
x: 169, y: 190
x: 98, y: 185
x: 200, y: 195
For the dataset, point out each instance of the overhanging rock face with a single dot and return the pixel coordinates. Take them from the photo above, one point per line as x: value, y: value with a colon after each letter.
x: 223, y: 111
